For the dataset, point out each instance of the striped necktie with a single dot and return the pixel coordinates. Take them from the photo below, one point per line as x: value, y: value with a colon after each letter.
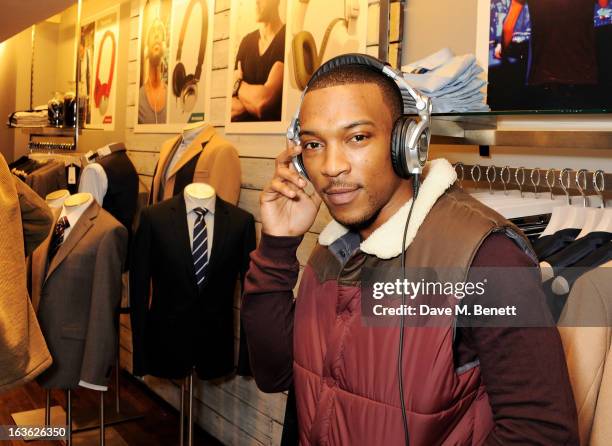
x: 58, y: 236
x: 199, y: 247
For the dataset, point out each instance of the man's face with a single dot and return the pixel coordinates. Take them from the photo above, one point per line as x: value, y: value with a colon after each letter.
x: 155, y: 40
x: 265, y: 9
x: 345, y: 136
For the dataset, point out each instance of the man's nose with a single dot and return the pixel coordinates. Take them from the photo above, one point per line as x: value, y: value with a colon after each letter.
x: 336, y: 162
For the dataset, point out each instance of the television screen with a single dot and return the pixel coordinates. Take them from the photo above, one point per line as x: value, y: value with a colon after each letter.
x: 550, y: 54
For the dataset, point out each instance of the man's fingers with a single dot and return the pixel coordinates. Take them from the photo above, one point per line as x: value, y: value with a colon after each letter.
x: 285, y: 157
x: 277, y: 186
x: 291, y: 175
x: 314, y: 197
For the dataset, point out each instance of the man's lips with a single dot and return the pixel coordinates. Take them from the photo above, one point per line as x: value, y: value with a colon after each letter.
x: 341, y: 195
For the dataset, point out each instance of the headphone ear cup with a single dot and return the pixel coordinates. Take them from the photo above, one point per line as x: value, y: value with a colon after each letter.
x: 178, y: 79
x: 189, y: 93
x: 399, y: 145
x: 305, y: 59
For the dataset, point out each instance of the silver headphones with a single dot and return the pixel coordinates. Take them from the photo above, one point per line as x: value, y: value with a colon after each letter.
x: 411, y: 134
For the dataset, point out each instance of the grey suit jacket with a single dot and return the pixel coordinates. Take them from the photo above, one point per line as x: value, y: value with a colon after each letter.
x: 49, y: 178
x: 77, y: 298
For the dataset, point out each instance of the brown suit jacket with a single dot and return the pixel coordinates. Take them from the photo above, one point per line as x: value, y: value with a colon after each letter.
x: 218, y: 165
x: 586, y: 331
x: 77, y: 297
x: 25, y: 220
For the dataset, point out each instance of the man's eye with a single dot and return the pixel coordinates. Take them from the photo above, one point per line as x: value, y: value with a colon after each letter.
x: 312, y: 145
x: 359, y: 138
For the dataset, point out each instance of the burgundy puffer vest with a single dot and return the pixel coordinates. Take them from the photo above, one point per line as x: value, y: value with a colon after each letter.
x: 345, y: 372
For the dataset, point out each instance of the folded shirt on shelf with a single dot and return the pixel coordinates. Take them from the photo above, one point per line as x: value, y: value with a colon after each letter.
x: 31, y: 118
x: 451, y: 81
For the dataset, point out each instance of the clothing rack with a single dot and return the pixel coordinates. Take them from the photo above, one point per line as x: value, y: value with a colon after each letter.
x: 51, y: 145
x: 535, y: 181
x: 66, y: 158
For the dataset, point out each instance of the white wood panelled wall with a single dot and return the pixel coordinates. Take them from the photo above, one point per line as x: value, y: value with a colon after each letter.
x: 232, y: 410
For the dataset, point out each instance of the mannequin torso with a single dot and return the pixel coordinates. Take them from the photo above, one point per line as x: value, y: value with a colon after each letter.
x: 73, y: 209
x: 56, y: 199
x: 200, y: 195
x: 190, y: 132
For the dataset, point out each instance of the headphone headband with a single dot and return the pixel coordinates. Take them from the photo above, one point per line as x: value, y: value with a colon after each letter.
x: 97, y: 95
x: 203, y: 34
x: 111, y: 36
x: 410, y: 96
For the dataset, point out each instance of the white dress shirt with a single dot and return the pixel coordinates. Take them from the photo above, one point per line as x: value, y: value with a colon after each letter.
x: 95, y: 181
x: 209, y: 204
x: 74, y: 214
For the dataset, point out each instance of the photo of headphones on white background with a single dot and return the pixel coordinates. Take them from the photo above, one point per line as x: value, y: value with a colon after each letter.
x: 185, y: 86
x: 102, y: 90
x: 99, y: 65
x: 306, y: 58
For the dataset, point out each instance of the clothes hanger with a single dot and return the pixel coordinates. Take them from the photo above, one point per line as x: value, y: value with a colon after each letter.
x: 593, y: 215
x: 490, y: 198
x: 513, y: 203
x: 564, y: 217
x: 599, y: 184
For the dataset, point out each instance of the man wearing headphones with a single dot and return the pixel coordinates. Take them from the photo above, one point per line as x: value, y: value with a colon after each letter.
x: 456, y: 385
x: 152, y: 94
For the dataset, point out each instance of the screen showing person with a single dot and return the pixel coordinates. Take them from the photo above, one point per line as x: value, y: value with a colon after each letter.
x: 258, y: 69
x: 550, y: 54
x: 152, y: 96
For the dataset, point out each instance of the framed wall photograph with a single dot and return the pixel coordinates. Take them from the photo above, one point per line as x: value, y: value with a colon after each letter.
x: 257, y: 67
x: 314, y: 32
x: 174, y: 64
x: 98, y: 50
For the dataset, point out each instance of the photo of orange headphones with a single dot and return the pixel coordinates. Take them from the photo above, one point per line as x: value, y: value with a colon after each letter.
x: 306, y: 59
x: 102, y: 90
x: 185, y: 86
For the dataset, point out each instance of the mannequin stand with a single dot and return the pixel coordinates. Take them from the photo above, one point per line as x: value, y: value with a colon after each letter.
x: 101, y: 418
x: 47, y: 416
x: 47, y: 408
x: 190, y: 414
x: 117, y: 386
x: 87, y: 438
x: 189, y: 384
x: 68, y: 417
x: 182, y: 415
x: 85, y: 420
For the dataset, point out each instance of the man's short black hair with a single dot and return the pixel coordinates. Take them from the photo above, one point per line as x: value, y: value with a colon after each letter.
x: 360, y: 74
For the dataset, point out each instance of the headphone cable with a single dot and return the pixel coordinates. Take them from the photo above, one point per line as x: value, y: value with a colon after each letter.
x: 400, y: 354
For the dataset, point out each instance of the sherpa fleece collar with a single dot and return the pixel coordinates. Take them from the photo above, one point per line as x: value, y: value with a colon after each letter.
x: 385, y: 241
